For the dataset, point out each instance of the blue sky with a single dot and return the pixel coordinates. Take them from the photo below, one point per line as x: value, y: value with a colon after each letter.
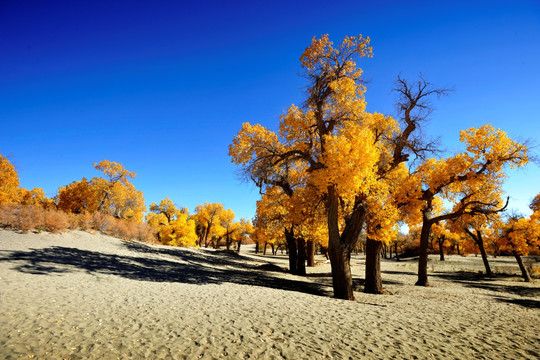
x: 162, y: 87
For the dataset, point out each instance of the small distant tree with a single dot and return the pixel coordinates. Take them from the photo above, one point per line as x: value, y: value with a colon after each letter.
x: 173, y: 226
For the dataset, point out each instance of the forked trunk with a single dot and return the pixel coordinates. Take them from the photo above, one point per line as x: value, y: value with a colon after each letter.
x: 373, y: 267
x: 524, y: 271
x: 310, y: 252
x: 301, y: 259
x: 423, y: 258
x: 339, y: 246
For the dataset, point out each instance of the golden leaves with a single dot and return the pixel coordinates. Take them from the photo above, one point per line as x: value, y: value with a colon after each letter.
x: 116, y: 196
x: 9, y: 181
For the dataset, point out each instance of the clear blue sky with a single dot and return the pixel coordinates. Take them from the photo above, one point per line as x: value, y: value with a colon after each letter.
x: 162, y: 87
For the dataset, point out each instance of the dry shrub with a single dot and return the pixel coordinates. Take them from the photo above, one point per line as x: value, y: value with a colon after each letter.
x: 85, y: 221
x: 146, y: 233
x: 119, y: 229
x: 55, y: 221
x: 34, y: 217
x: 102, y: 222
x: 8, y: 215
x: 29, y: 217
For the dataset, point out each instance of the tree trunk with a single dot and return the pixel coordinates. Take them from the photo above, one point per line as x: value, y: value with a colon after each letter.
x: 397, y: 255
x: 239, y: 244
x: 441, y: 250
x: 479, y: 241
x: 390, y: 250
x: 273, y: 248
x: 339, y: 246
x: 301, y: 259
x: 480, y: 244
x: 524, y: 271
x: 373, y: 267
x: 293, y: 253
x: 423, y: 258
x: 256, y: 247
x: 310, y: 250
x: 264, y: 249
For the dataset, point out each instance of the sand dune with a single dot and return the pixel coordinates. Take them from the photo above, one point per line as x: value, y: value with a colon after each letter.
x: 83, y: 296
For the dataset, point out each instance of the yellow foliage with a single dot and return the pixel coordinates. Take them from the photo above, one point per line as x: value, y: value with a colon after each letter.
x: 174, y: 227
x: 116, y: 196
x: 9, y: 182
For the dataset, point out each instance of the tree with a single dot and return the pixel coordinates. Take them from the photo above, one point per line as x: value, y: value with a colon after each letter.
x: 443, y: 234
x: 115, y: 196
x: 245, y: 229
x: 78, y: 197
x: 477, y: 228
x: 327, y: 141
x: 9, y: 182
x: 207, y: 219
x: 471, y: 180
x: 520, y: 234
x: 173, y: 225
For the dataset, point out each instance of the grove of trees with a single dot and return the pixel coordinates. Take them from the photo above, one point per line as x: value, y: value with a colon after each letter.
x: 358, y: 172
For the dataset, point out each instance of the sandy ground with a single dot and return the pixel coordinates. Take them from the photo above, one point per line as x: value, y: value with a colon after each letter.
x: 83, y: 296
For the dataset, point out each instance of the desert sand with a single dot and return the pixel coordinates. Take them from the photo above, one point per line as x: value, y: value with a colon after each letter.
x: 81, y: 296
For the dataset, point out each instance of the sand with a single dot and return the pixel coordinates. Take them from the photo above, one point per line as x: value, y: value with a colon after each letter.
x: 82, y: 296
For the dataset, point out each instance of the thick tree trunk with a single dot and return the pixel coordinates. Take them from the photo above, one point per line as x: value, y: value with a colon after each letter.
x: 293, y: 253
x: 339, y: 246
x: 301, y: 259
x: 341, y: 272
x: 524, y: 271
x: 390, y: 251
x: 238, y: 246
x: 265, y: 246
x: 441, y: 250
x: 256, y: 247
x: 423, y: 258
x: 310, y: 251
x: 373, y: 267
x: 273, y: 249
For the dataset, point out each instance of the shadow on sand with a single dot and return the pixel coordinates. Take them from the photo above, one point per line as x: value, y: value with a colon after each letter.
x: 149, y: 264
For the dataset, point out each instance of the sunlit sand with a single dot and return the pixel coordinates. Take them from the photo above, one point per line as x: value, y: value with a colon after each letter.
x: 82, y: 296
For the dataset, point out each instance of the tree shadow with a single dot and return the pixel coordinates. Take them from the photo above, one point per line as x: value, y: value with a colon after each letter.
x: 395, y: 272
x: 199, y: 256
x: 528, y: 303
x: 185, y: 266
x: 482, y: 281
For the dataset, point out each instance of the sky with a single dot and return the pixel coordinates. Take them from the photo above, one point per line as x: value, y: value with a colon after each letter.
x: 163, y: 86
